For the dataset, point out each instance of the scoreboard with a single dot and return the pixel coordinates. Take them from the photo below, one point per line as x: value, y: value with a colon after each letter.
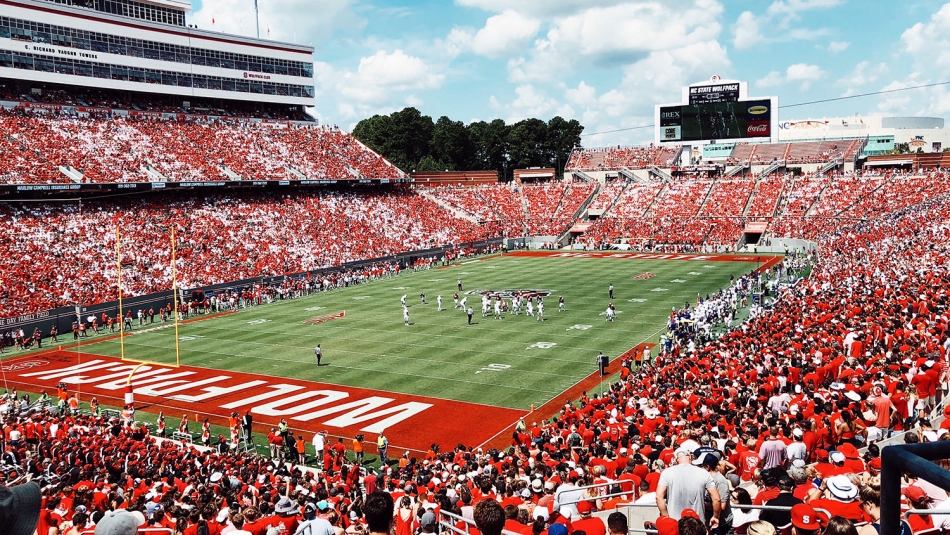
x: 721, y: 110
x: 699, y: 94
x: 716, y: 120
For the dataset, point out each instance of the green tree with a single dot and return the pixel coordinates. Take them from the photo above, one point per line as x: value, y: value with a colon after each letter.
x: 563, y: 136
x: 402, y: 137
x: 528, y: 144
x: 378, y: 133
x: 451, y: 144
x: 413, y: 133
x: 490, y: 145
x: 428, y: 164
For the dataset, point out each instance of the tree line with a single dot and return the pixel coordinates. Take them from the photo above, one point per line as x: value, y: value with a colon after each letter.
x: 414, y: 142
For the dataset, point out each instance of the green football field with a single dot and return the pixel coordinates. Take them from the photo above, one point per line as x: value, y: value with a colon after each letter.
x: 513, y: 362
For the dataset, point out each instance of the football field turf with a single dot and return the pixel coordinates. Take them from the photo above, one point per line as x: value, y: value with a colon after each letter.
x: 510, y: 364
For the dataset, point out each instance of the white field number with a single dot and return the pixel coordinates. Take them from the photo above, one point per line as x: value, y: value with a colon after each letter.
x: 494, y: 368
x: 579, y: 327
x: 541, y: 345
x: 258, y: 322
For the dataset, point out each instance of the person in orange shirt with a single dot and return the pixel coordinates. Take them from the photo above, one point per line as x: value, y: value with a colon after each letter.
x: 301, y: 450
x: 358, y: 449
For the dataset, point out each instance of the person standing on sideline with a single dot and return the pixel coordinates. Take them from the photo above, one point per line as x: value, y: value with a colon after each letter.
x: 247, y: 423
x: 469, y: 312
x: 319, y: 353
x: 460, y: 285
x: 610, y: 291
x: 382, y: 444
x: 438, y: 300
x: 319, y: 443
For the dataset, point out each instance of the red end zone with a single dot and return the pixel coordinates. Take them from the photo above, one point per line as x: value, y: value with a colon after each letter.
x: 410, y: 422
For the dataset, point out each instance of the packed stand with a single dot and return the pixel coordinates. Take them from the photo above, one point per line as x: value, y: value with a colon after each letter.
x: 728, y: 197
x: 770, y: 411
x: 65, y: 253
x: 766, y: 196
x: 118, y: 149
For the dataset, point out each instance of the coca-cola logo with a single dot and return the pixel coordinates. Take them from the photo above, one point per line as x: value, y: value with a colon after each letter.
x: 757, y: 128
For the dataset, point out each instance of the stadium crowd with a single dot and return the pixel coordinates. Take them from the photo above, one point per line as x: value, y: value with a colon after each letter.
x: 120, y: 148
x: 771, y: 412
x: 63, y: 254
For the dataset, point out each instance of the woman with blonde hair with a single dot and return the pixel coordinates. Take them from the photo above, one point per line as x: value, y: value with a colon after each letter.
x: 760, y: 527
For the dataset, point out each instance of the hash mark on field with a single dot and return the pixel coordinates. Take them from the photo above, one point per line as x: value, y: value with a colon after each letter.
x: 660, y: 290
x: 361, y: 297
x: 694, y: 273
x: 678, y: 281
x: 436, y: 280
x: 400, y: 288
x: 313, y: 309
x: 635, y: 300
x: 708, y: 266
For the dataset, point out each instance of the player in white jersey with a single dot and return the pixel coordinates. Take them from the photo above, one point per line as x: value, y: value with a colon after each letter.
x: 529, y: 308
x: 438, y: 300
x: 486, y: 304
x: 403, y: 300
x: 540, y: 310
x: 516, y: 305
x: 405, y: 315
x: 498, y: 308
x: 462, y: 303
x: 609, y: 313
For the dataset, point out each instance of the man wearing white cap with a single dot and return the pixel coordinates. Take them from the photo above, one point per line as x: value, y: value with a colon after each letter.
x: 797, y: 449
x: 839, y: 498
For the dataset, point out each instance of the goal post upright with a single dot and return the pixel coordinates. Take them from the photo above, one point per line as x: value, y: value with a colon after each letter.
x: 118, y: 261
x: 175, y: 299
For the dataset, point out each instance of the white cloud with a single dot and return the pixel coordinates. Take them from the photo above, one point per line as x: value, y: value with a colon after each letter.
x: 746, y: 31
x: 864, y: 73
x: 504, y: 34
x: 583, y: 94
x: 457, y: 41
x: 772, y: 79
x: 836, y: 47
x: 801, y: 72
x: 381, y: 83
x: 928, y: 42
x: 794, y: 8
x: 530, y: 102
x: 538, y: 8
x: 797, y: 73
x: 617, y: 35
x: 778, y: 17
x: 281, y: 17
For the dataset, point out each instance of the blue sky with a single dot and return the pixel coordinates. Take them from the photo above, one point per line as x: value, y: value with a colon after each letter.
x: 604, y: 62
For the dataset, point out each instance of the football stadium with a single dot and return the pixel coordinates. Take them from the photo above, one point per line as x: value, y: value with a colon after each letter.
x: 218, y: 315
